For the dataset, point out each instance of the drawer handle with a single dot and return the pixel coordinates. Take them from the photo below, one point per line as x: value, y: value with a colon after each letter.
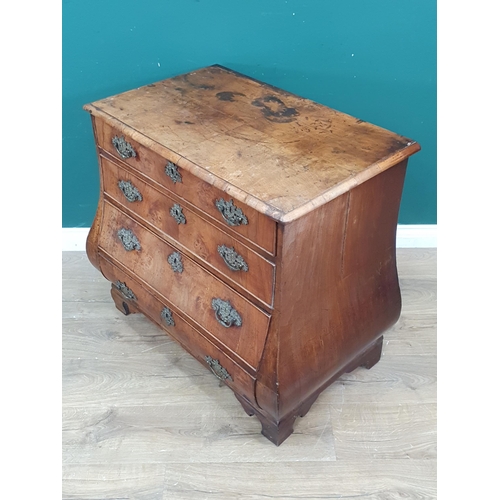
x: 175, y: 261
x: 233, y: 260
x: 217, y: 369
x: 176, y: 213
x: 124, y: 148
x: 172, y: 172
x: 166, y: 315
x: 130, y: 191
x: 230, y: 213
x: 225, y: 314
x: 125, y: 290
x: 129, y: 239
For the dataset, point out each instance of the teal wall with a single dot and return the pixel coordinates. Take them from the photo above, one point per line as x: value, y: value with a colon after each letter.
x: 374, y: 59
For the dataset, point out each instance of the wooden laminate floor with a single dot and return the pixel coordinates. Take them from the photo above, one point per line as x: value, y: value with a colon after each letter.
x: 143, y: 420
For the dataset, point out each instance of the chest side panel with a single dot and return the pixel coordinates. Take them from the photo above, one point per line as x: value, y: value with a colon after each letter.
x: 327, y: 315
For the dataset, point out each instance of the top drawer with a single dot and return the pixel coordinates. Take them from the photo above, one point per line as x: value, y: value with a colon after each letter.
x: 236, y: 217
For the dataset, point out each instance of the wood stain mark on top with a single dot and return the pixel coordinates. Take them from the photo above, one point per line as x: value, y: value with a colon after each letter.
x: 228, y: 96
x: 395, y: 144
x: 201, y: 86
x: 275, y: 110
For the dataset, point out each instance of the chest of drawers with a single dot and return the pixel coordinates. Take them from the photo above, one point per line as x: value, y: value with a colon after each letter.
x: 257, y: 228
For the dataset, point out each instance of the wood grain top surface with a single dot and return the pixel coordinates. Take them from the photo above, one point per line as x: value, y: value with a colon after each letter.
x: 280, y: 153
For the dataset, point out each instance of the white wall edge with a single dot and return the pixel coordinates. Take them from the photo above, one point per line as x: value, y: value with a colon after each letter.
x: 407, y: 236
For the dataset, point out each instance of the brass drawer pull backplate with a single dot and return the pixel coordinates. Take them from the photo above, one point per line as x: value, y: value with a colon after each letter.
x: 225, y: 314
x: 129, y: 239
x: 124, y: 148
x: 232, y: 259
x: 219, y: 371
x: 230, y: 213
x: 125, y: 290
x: 130, y: 191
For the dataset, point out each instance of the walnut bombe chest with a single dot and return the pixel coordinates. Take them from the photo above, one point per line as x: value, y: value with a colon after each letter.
x: 256, y: 227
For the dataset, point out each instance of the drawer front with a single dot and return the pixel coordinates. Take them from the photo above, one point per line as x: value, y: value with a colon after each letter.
x: 235, y: 216
x: 217, y: 308
x: 215, y: 247
x: 161, y: 313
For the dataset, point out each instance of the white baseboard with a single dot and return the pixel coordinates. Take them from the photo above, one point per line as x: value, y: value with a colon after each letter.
x: 416, y: 236
x: 407, y: 236
x: 74, y: 238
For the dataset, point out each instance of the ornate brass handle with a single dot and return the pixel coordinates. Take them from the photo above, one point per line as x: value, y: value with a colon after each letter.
x: 175, y: 261
x: 225, y: 314
x: 176, y: 213
x: 130, y: 191
x: 124, y: 148
x: 125, y: 290
x: 172, y: 172
x: 129, y: 239
x: 232, y: 259
x: 217, y: 369
x: 167, y: 316
x: 230, y: 213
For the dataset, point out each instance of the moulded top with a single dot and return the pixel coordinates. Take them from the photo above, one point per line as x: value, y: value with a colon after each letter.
x: 278, y: 152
